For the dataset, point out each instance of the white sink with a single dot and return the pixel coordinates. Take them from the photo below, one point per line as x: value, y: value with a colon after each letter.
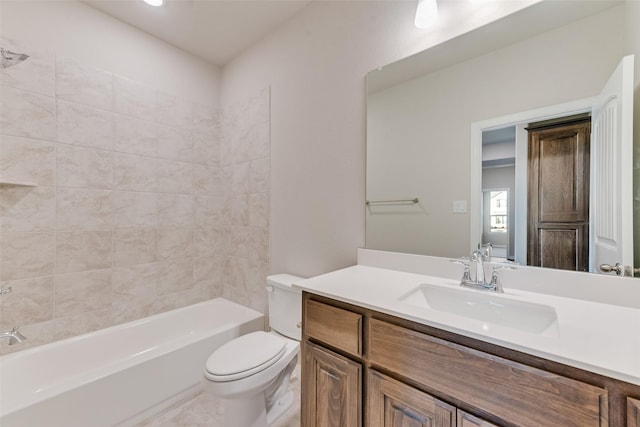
x: 487, y: 307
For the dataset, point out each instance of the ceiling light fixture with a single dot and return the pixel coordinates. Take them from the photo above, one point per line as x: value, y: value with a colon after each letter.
x: 427, y: 13
x: 154, y: 2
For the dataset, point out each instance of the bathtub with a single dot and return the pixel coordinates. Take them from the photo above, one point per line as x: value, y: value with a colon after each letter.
x: 121, y: 375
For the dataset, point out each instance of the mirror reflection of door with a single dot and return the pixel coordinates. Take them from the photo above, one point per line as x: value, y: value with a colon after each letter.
x: 498, y: 183
x: 558, y: 193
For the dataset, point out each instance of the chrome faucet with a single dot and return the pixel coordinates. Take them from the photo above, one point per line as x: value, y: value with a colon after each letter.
x: 477, y: 258
x: 14, y: 336
x: 479, y: 281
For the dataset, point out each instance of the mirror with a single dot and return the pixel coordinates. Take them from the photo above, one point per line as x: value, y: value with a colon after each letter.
x: 420, y: 111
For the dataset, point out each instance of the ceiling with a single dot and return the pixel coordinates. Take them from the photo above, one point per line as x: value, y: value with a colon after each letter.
x: 214, y: 30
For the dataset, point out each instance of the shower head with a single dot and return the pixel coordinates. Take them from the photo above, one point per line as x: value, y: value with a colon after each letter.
x: 9, y: 59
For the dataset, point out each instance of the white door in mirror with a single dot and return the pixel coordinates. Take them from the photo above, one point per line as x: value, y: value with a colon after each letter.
x: 611, y: 210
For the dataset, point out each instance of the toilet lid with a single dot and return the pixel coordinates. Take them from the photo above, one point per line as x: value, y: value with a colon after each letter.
x: 245, y: 356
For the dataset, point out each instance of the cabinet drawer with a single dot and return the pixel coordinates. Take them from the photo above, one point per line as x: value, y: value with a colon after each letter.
x: 516, y: 393
x: 334, y: 326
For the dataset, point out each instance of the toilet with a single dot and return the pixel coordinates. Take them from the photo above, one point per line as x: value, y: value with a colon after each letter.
x: 251, y: 373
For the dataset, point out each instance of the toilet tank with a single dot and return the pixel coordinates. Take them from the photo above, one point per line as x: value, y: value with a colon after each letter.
x: 285, y: 305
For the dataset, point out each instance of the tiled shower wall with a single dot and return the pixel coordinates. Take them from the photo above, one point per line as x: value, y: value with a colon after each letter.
x: 139, y: 206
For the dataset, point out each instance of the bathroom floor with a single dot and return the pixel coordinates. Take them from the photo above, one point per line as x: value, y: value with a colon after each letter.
x: 205, y: 410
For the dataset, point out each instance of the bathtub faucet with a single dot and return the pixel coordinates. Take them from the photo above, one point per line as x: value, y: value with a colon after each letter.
x: 14, y: 336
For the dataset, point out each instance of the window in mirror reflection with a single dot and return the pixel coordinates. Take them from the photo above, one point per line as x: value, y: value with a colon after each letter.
x: 498, y: 211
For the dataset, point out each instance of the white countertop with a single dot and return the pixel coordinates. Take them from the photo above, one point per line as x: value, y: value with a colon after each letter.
x: 597, y: 337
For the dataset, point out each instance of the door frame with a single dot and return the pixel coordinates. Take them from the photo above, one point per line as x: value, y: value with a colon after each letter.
x: 579, y: 106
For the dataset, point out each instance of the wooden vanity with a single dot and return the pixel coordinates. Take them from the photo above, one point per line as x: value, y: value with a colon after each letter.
x: 361, y: 367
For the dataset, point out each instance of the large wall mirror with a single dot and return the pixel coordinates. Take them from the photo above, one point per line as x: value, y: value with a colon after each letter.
x: 446, y: 126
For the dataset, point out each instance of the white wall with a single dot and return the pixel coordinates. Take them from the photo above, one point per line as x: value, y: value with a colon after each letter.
x: 73, y: 29
x: 316, y: 65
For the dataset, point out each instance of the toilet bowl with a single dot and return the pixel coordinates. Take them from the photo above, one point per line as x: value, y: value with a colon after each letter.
x: 251, y: 373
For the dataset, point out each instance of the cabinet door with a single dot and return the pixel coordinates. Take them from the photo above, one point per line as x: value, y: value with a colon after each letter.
x: 467, y: 420
x: 633, y: 412
x: 332, y: 389
x: 391, y: 403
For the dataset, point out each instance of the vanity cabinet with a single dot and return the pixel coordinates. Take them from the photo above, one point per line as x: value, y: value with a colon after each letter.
x: 332, y: 389
x: 380, y: 370
x: 391, y: 403
x: 633, y: 412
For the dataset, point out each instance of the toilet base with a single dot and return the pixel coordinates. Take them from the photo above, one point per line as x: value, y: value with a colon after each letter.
x: 249, y: 411
x: 280, y: 407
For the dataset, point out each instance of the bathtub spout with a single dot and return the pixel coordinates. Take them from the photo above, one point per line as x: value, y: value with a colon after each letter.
x: 14, y: 336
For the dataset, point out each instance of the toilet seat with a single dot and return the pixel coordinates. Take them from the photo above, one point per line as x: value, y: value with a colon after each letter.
x: 245, y: 356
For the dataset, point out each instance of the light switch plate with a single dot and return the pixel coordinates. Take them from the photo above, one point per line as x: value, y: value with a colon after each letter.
x: 460, y: 206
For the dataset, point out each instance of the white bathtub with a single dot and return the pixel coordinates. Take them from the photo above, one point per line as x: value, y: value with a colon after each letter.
x: 121, y: 375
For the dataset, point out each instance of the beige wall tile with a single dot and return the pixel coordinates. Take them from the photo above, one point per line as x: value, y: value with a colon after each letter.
x: 30, y: 301
x: 207, y: 273
x: 135, y: 209
x: 175, y: 143
x: 259, y: 141
x: 133, y: 99
x: 27, y: 160
x: 206, y: 118
x: 259, y: 210
x: 206, y: 147
x: 256, y: 285
x: 240, y: 181
x: 135, y: 288
x: 27, y: 208
x: 207, y: 180
x: 27, y: 114
x: 238, y: 243
x: 78, y: 124
x: 83, y: 323
x: 175, y: 276
x: 175, y: 210
x: 134, y: 246
x: 135, y: 136
x: 208, y: 211
x: 84, y: 167
x: 175, y: 177
x: 84, y: 292
x: 80, y: 209
x: 259, y: 176
x: 25, y: 255
x: 174, y: 111
x: 175, y: 243
x: 83, y: 251
x: 83, y: 84
x: 258, y: 244
x: 135, y: 173
x: 239, y: 210
x: 208, y: 242
x: 175, y: 300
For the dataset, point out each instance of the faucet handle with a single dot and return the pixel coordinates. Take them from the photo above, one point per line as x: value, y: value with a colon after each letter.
x: 466, y: 274
x: 495, y: 280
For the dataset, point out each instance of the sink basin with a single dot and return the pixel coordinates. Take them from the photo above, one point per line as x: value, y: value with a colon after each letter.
x: 484, y: 306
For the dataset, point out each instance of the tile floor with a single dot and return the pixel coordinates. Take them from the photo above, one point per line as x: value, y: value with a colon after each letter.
x: 204, y: 410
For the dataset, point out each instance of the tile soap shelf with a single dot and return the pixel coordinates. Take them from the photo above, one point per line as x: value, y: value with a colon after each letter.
x: 7, y: 183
